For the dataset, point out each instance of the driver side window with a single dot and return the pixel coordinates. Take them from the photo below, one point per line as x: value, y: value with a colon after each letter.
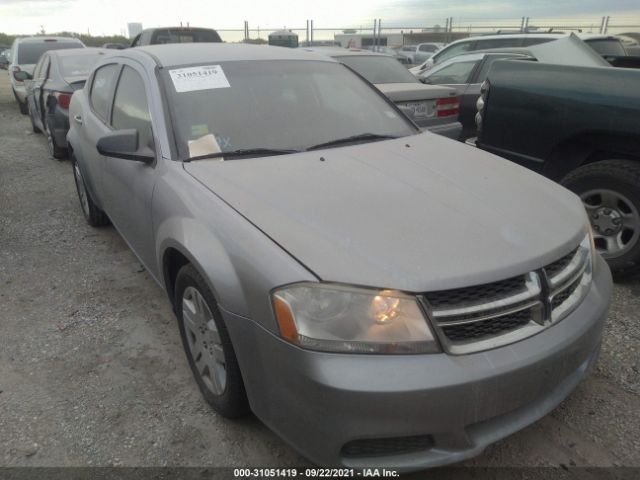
x: 130, y: 107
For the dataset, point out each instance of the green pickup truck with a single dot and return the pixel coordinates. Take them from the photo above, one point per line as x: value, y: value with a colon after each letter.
x: 579, y: 126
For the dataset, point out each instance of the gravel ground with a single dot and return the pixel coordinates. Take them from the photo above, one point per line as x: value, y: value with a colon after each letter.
x: 92, y: 370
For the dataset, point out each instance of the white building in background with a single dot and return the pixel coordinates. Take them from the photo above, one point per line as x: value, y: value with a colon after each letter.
x: 134, y: 29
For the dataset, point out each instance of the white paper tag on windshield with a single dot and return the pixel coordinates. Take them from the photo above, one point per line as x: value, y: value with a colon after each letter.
x: 198, y: 78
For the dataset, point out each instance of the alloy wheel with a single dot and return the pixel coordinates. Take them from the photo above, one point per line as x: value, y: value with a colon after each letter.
x: 203, y: 338
x: 615, y: 221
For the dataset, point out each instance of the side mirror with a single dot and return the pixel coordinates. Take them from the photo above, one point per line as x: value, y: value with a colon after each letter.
x: 124, y: 144
x: 21, y: 76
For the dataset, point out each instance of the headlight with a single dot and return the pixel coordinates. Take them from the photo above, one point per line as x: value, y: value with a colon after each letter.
x: 336, y: 318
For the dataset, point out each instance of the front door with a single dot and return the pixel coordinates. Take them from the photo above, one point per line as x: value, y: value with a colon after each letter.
x: 128, y: 185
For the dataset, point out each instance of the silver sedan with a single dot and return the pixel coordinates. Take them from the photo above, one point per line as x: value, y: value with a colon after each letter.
x: 377, y: 296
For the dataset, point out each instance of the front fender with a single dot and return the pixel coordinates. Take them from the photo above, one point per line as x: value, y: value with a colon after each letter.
x: 238, y: 261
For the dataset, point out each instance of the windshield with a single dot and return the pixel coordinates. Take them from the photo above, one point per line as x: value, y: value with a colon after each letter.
x: 378, y: 69
x: 274, y: 104
x: 78, y: 66
x: 608, y: 46
x: 29, y: 53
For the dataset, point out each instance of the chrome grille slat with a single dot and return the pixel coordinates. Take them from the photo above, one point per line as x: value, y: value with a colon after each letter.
x: 473, y: 319
x: 488, y: 316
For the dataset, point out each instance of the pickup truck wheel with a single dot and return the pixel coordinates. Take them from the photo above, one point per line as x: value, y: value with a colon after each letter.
x: 92, y: 214
x: 208, y: 346
x: 610, y: 192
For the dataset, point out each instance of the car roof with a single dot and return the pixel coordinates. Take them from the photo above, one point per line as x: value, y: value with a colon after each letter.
x: 344, y: 52
x: 48, y: 39
x: 174, y: 54
x: 583, y: 36
x: 75, y: 52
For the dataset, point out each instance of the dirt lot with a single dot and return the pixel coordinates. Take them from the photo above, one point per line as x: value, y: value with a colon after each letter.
x: 92, y: 371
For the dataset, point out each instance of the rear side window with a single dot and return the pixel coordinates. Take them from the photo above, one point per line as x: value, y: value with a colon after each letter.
x: 498, y: 43
x: 29, y: 53
x: 428, y: 48
x: 528, y: 42
x: 608, y: 46
x: 453, y: 51
x: 101, y: 88
x: 454, y: 74
x: 130, y: 107
x: 184, y: 36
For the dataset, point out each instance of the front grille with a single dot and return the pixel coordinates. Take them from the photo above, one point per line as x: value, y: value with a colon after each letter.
x: 376, y: 447
x: 490, y: 327
x: 487, y: 316
x: 465, y: 296
x: 558, y: 266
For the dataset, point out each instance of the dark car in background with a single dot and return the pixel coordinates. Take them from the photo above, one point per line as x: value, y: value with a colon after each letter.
x: 156, y: 36
x: 25, y: 53
x: 578, y: 126
x: 56, y: 76
x: 465, y: 74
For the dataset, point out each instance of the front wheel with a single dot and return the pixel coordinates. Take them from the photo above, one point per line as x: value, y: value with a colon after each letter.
x: 208, y: 346
x: 92, y: 214
x: 610, y: 192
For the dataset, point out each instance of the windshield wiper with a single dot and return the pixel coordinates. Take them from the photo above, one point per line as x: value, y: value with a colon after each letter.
x: 352, y: 138
x: 244, y: 152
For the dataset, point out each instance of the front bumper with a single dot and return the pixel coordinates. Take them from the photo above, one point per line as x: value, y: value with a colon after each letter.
x: 318, y: 402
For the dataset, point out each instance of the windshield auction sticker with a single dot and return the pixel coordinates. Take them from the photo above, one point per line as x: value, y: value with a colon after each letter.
x: 198, y: 78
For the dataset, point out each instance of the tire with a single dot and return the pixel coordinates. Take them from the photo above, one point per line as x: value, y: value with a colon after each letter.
x: 208, y: 346
x: 33, y: 124
x: 24, y: 108
x: 92, y: 214
x: 55, y: 151
x: 610, y: 191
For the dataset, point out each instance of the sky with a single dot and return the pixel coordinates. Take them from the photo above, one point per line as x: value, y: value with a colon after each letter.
x: 110, y: 17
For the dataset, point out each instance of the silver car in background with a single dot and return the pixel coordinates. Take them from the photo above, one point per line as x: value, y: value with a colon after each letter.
x: 375, y: 295
x: 432, y: 107
x: 25, y: 53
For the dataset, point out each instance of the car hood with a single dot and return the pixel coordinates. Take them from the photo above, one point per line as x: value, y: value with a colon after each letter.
x: 416, y: 214
x: 403, y: 92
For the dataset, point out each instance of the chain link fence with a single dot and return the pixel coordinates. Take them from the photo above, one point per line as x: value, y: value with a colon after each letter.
x: 446, y: 29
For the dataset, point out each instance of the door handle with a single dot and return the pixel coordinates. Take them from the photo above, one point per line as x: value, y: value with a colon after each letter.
x: 78, y: 119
